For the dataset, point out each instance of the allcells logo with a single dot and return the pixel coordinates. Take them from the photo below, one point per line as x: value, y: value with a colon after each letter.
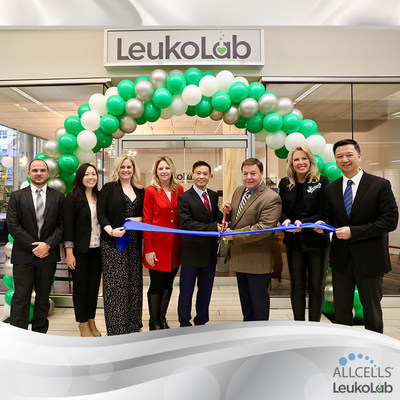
x: 222, y: 48
x: 359, y: 373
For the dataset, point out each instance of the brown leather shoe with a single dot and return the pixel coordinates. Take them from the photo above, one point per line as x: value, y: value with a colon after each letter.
x: 84, y: 329
x: 93, y: 328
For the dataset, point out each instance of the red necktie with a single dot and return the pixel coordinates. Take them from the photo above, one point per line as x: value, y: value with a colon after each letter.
x: 207, y: 204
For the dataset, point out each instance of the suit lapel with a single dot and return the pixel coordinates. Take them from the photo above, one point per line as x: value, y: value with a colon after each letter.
x: 49, y: 202
x: 199, y: 202
x: 362, y: 189
x: 163, y: 196
x: 29, y: 201
x: 249, y: 202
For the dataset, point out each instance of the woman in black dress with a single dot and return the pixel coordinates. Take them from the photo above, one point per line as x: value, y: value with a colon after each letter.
x: 119, y: 200
x: 82, y: 246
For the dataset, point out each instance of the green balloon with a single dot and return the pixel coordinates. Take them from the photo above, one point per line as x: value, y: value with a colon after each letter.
x: 273, y: 122
x: 241, y: 123
x: 328, y: 307
x: 331, y: 171
x: 193, y: 76
x: 359, y: 314
x: 255, y: 124
x: 204, y: 108
x: 68, y: 179
x: 126, y: 89
x: 31, y: 310
x: 67, y: 143
x: 151, y: 113
x: 109, y: 124
x: 68, y: 163
x: 82, y: 109
x: 221, y: 101
x: 191, y: 111
x: 357, y: 301
x: 162, y: 98
x: 269, y: 91
x: 10, y: 239
x: 141, y: 120
x: 176, y: 82
x: 308, y: 128
x: 256, y: 90
x: 8, y: 296
x: 72, y: 124
x: 208, y: 73
x: 115, y: 105
x: 8, y: 281
x: 40, y: 156
x: 28, y: 178
x: 282, y: 152
x: 291, y: 123
x: 320, y: 163
x: 142, y: 78
x: 238, y: 91
x: 103, y: 140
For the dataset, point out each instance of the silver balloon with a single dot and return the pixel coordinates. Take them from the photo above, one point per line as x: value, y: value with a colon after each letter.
x: 329, y: 292
x: 134, y: 108
x: 56, y: 184
x: 261, y: 136
x: 216, y: 115
x: 50, y: 149
x: 118, y: 135
x: 33, y: 297
x: 328, y: 278
x: 52, y: 306
x: 176, y: 71
x: 267, y: 103
x: 158, y: 78
x: 248, y: 107
x: 6, y: 310
x: 52, y: 164
x: 297, y: 112
x: 59, y: 132
x: 8, y: 249
x: 8, y: 267
x: 285, y: 106
x: 144, y: 90
x: 127, y: 124
x: 231, y: 116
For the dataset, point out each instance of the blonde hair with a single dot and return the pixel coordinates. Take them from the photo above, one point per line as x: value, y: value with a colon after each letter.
x: 155, y: 180
x: 136, y: 172
x: 312, y: 175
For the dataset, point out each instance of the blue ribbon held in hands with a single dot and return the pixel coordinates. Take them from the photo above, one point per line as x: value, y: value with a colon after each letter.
x: 123, y: 242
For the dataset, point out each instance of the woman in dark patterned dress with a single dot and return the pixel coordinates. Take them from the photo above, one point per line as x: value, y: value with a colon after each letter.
x: 119, y: 200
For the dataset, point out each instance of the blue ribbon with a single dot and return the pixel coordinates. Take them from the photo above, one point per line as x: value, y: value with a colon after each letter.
x: 124, y: 241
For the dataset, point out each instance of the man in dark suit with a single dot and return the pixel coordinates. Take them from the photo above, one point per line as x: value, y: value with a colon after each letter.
x: 198, y: 211
x: 34, y: 220
x: 363, y: 209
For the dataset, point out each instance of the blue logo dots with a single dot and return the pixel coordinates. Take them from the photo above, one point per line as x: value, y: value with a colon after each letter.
x: 351, y: 357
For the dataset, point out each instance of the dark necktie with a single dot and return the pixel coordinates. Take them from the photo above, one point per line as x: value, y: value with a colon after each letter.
x: 207, y: 203
x: 243, y: 202
x: 39, y: 210
x: 348, y: 197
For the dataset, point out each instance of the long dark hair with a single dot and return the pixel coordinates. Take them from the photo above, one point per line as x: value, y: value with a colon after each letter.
x: 78, y: 188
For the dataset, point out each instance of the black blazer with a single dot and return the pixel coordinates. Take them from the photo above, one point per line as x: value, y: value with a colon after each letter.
x: 373, y: 215
x: 192, y: 214
x: 313, y: 195
x: 77, y: 224
x: 22, y: 225
x: 111, y: 207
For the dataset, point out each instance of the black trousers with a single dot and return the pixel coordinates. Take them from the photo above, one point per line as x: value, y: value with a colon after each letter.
x: 38, y: 275
x: 370, y: 291
x: 307, y: 269
x: 161, y: 280
x: 86, y: 278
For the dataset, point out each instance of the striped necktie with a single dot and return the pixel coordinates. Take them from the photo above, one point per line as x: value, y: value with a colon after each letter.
x: 348, y: 197
x: 243, y: 202
x: 39, y: 210
x: 207, y: 204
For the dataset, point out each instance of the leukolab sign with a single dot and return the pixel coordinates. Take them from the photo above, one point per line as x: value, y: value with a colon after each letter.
x: 211, y: 47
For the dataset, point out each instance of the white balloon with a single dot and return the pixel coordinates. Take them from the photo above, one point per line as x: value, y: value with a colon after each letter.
x: 191, y: 95
x: 33, y: 297
x: 8, y: 249
x: 166, y: 113
x: 97, y: 103
x: 7, y: 161
x: 261, y: 136
x: 327, y: 153
x: 297, y: 112
x: 316, y: 143
x: 209, y: 85
x: 8, y: 267
x: 178, y: 106
x: 90, y: 120
x: 59, y: 132
x: 52, y: 306
x: 86, y: 140
x: 24, y: 184
x: 112, y: 91
x: 294, y: 139
x: 241, y: 79
x: 84, y: 156
x: 6, y: 310
x: 276, y: 140
x: 225, y: 79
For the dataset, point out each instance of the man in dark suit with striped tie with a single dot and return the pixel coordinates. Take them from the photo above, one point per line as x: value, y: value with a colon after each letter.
x: 34, y: 220
x: 198, y: 211
x: 363, y: 210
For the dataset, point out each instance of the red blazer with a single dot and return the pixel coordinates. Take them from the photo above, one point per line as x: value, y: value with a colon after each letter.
x: 158, y: 210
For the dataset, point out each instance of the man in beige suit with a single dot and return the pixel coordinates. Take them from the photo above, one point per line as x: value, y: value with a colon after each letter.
x: 254, y: 207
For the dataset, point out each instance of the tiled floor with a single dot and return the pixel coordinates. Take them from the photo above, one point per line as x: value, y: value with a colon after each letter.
x: 225, y: 307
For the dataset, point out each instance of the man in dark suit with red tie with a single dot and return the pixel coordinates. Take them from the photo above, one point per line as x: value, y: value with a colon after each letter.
x: 198, y: 211
x: 34, y: 220
x: 363, y: 210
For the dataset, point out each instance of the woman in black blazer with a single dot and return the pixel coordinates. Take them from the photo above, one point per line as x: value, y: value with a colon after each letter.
x: 307, y: 251
x: 82, y: 246
x: 119, y: 200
